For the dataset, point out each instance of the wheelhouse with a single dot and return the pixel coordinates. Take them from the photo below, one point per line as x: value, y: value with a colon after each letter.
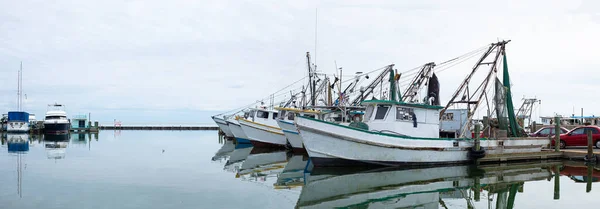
x: 416, y: 120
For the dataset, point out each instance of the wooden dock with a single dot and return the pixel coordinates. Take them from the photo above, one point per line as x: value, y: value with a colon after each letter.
x: 543, y: 155
x: 159, y: 127
x: 578, y: 154
x: 564, y: 154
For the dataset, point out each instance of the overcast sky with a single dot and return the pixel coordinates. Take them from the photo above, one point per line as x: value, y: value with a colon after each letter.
x: 181, y: 61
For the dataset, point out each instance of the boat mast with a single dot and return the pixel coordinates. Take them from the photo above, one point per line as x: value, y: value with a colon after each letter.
x: 410, y: 94
x: 392, y: 86
x: 371, y: 87
x: 474, y: 98
x: 19, y: 88
x: 311, y: 83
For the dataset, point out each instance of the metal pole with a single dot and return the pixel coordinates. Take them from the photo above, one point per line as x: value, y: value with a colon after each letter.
x: 582, y: 116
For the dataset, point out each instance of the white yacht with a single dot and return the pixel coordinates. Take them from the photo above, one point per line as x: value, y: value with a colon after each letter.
x: 56, y: 121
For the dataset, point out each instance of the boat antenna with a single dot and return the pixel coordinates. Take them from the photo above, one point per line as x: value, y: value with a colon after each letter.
x: 315, y: 62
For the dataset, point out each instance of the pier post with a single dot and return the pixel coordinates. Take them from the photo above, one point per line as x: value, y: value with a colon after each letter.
x: 590, y: 174
x: 476, y: 142
x: 477, y: 195
x: 557, y: 134
x: 556, y: 183
x: 477, y: 147
x: 590, y: 149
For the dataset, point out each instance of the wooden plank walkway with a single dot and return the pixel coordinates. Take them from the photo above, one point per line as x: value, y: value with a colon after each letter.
x: 578, y: 154
x: 543, y: 155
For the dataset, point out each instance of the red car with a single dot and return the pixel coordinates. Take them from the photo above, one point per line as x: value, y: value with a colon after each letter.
x: 578, y: 137
x: 547, y: 131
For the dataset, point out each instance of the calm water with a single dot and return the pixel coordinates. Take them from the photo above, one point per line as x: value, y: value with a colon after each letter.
x: 154, y: 169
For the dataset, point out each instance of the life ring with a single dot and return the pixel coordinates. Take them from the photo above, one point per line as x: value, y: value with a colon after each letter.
x: 476, y: 154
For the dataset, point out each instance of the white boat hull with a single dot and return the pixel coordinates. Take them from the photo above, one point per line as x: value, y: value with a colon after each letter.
x: 261, y: 135
x: 330, y: 145
x: 17, y: 127
x: 238, y: 132
x: 291, y: 133
x: 223, y: 126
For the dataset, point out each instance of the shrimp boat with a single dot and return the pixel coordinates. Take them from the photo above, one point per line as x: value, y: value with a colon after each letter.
x: 261, y: 128
x: 237, y: 131
x: 222, y: 123
x: 286, y: 123
x: 398, y: 132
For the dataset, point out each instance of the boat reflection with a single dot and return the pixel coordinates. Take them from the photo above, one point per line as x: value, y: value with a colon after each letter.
x: 262, y: 163
x: 274, y: 167
x: 292, y: 175
x: 57, y: 137
x: 420, y: 188
x: 56, y: 145
x: 224, y: 151
x: 237, y: 157
x: 17, y: 142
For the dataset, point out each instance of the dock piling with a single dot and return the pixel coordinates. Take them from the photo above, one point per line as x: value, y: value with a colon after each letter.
x: 590, y: 157
x: 590, y: 174
x: 557, y: 134
x: 477, y: 145
x: 477, y: 189
x: 556, y: 182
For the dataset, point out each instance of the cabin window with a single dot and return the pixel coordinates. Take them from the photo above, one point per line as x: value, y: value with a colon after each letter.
x: 283, y: 114
x: 369, y: 112
x: 404, y: 114
x: 275, y: 115
x: 337, y: 118
x: 249, y: 114
x: 262, y: 114
x: 448, y: 116
x: 55, y: 117
x: 310, y: 116
x: 290, y: 116
x: 381, y: 112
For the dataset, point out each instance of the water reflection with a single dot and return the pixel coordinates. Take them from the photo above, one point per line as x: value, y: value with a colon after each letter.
x: 423, y: 187
x: 18, y: 145
x: 464, y: 186
x: 224, y: 151
x: 17, y: 142
x: 237, y: 157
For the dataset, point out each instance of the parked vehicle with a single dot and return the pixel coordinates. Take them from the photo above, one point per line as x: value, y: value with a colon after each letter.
x: 547, y: 131
x: 578, y: 137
